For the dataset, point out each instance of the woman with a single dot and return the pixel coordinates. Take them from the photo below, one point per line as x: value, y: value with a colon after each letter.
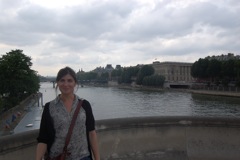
x: 56, y: 119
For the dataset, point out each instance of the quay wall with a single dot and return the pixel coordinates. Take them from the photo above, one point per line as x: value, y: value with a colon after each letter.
x: 216, y: 93
x: 10, y: 119
x: 173, y: 138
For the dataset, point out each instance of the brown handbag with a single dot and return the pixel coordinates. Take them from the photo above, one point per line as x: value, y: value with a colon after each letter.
x: 65, y: 153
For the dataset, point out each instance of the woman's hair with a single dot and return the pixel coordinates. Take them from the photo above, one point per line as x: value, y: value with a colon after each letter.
x: 64, y: 71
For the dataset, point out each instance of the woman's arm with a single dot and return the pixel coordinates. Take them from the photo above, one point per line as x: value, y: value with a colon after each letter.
x: 41, y: 150
x: 46, y: 133
x: 94, y: 144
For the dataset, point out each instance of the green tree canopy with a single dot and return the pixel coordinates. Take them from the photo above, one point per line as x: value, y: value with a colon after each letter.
x: 17, y: 79
x: 146, y: 70
x: 87, y: 76
x: 200, y: 68
x: 217, y: 71
x: 154, y: 80
x: 214, y: 69
x: 116, y: 72
x: 127, y: 74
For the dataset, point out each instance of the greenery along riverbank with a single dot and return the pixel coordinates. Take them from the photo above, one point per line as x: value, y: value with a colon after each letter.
x: 17, y: 79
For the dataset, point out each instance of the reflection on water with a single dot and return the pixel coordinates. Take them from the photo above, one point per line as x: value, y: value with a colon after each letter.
x: 117, y: 103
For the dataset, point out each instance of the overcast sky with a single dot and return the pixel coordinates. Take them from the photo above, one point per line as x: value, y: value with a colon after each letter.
x: 85, y: 34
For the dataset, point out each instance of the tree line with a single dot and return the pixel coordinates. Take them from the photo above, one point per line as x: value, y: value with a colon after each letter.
x: 217, y: 72
x: 142, y: 75
x: 17, y: 79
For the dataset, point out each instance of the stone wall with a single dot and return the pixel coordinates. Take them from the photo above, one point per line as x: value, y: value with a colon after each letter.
x: 173, y: 138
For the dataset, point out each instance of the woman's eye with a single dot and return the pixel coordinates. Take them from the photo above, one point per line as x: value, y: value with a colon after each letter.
x: 70, y: 80
x: 62, y: 80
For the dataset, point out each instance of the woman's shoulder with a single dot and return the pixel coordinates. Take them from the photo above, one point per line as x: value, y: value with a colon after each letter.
x: 46, y: 104
x: 85, y: 103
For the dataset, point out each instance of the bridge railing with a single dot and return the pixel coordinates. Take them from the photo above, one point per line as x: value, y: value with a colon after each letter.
x: 174, y: 138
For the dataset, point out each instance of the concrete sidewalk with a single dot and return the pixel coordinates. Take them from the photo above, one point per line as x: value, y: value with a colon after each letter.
x: 32, y: 119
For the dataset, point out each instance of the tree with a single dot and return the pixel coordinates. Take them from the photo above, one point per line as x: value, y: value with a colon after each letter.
x: 214, y: 69
x: 154, y: 80
x: 104, y: 76
x: 17, y: 79
x: 127, y: 74
x: 146, y: 70
x: 228, y: 69
x: 237, y: 72
x: 116, y: 73
x: 223, y: 71
x: 199, y: 69
x: 86, y: 76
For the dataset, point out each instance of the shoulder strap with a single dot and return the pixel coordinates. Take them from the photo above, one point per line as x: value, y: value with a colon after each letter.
x: 70, y: 129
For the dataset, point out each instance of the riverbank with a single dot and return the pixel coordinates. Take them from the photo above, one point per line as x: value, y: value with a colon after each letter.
x: 206, y: 92
x: 140, y: 88
x: 11, y: 118
x: 216, y: 93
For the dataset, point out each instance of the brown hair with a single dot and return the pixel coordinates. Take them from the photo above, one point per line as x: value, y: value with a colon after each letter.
x: 64, y: 71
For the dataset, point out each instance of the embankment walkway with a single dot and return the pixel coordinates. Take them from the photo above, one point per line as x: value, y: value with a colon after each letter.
x: 9, y: 120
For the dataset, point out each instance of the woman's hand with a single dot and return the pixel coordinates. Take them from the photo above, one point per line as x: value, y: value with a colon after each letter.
x: 41, y: 150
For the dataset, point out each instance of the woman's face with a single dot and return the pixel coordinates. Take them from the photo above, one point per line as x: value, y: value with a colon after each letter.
x: 66, y: 84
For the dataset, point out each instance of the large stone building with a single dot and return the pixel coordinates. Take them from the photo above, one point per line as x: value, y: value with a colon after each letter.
x: 108, y: 69
x: 174, y: 71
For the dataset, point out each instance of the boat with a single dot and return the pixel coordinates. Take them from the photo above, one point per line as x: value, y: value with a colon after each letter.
x: 29, y: 125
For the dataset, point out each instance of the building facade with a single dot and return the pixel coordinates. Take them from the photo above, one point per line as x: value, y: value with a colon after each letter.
x: 174, y: 71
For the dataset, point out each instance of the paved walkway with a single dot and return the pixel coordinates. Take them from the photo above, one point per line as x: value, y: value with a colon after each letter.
x: 32, y: 118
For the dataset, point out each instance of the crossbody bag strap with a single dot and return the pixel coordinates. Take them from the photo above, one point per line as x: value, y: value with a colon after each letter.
x: 70, y: 129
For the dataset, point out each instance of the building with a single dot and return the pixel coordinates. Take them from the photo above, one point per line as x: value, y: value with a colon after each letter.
x: 175, y: 73
x: 109, y: 68
x: 118, y: 67
x: 222, y: 57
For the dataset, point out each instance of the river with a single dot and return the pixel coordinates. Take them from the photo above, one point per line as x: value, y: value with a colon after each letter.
x: 112, y: 102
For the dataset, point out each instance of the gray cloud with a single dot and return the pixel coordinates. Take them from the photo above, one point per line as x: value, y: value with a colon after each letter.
x: 119, y: 32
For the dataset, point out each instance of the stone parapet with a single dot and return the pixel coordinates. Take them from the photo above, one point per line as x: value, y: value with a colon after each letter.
x: 173, y: 138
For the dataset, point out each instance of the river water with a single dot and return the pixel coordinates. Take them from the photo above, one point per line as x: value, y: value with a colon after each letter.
x: 112, y: 102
